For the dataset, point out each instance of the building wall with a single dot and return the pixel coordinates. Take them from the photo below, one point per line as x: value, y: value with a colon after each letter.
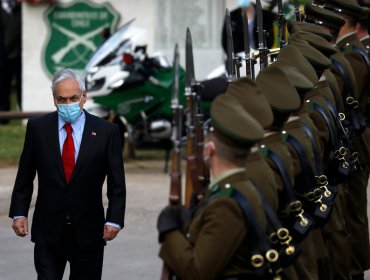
x: 164, y: 20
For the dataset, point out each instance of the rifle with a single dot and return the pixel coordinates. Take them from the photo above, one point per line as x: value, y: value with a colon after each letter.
x: 249, y: 61
x: 263, y: 51
x: 191, y: 164
x: 175, y: 173
x: 197, y: 173
x: 296, y: 11
x: 282, y: 24
x: 232, y: 63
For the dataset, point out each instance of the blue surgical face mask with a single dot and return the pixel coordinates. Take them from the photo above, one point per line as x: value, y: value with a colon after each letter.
x: 69, y: 112
x: 244, y: 3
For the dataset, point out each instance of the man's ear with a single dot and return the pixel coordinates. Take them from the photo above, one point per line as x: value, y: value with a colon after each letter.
x: 84, y: 97
x: 357, y: 28
x: 209, y: 148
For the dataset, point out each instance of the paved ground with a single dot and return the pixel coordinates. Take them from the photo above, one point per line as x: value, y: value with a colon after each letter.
x: 132, y: 255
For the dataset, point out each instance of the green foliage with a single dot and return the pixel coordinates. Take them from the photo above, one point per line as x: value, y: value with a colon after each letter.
x: 11, y: 142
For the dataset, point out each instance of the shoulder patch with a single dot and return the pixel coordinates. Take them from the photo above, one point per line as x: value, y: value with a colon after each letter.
x: 223, y: 191
x: 346, y: 48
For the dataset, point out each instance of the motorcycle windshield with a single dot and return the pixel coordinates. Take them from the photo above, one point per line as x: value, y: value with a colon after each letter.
x: 110, y: 46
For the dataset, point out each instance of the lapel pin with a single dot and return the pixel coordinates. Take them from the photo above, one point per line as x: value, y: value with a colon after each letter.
x: 93, y: 133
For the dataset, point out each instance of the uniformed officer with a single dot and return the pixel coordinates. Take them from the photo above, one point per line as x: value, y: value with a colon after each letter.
x: 285, y: 101
x: 246, y: 92
x: 220, y: 242
x: 362, y: 27
x: 354, y: 51
x: 320, y: 96
x: 299, y: 26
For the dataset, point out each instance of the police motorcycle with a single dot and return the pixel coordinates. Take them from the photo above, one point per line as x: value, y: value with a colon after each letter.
x: 133, y: 89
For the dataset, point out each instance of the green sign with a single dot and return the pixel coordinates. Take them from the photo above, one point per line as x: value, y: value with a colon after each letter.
x: 75, y: 31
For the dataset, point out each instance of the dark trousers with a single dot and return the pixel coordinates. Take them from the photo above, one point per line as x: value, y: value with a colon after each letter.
x: 85, y: 264
x: 10, y: 69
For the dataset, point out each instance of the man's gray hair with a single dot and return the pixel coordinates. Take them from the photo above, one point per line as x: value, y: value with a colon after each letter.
x: 65, y: 74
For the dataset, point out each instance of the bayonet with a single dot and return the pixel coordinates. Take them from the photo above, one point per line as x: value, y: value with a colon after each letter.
x: 230, y: 49
x: 189, y: 83
x: 282, y: 24
x: 189, y: 63
x: 296, y: 11
x: 175, y: 86
x: 249, y: 61
x: 259, y: 23
x: 194, y: 166
x: 175, y: 197
x: 261, y: 37
x: 177, y: 112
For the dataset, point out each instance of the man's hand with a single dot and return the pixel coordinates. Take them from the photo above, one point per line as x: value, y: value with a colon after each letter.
x: 110, y: 232
x: 20, y: 226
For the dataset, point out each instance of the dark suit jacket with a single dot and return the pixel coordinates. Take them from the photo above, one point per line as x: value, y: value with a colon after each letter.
x: 100, y: 155
x: 237, y: 30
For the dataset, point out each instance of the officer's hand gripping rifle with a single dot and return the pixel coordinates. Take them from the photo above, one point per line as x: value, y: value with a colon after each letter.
x: 177, y: 122
x: 196, y: 172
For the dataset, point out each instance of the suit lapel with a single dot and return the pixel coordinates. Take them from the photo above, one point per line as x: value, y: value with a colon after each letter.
x: 87, y: 142
x: 53, y: 140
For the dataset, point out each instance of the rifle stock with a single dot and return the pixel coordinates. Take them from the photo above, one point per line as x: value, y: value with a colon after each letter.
x: 175, y: 196
x: 191, y: 172
x: 203, y: 171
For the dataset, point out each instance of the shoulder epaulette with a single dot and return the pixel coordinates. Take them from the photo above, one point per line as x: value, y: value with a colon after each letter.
x: 225, y: 190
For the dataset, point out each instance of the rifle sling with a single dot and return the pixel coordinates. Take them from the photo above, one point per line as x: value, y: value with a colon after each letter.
x: 355, y: 117
x: 307, y: 171
x: 260, y: 240
x: 335, y: 115
x: 365, y: 56
x: 287, y: 182
x: 333, y: 134
x: 257, y: 237
x: 315, y: 150
x: 346, y: 80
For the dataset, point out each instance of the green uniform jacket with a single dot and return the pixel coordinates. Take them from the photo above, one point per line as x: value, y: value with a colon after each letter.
x: 356, y: 201
x: 314, y: 253
x: 263, y: 177
x: 215, y: 242
x: 274, y: 142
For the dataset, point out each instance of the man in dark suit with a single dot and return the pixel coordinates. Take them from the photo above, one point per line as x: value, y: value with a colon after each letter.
x: 72, y: 153
x: 237, y: 27
x: 10, y: 53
